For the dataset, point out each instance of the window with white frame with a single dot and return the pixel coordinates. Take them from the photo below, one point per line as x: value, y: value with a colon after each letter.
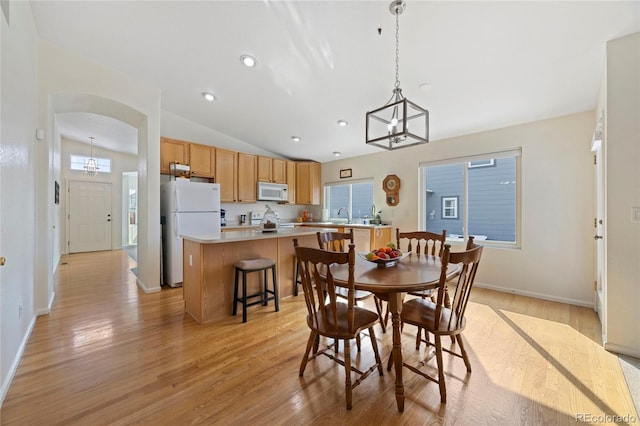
x: 449, y: 207
x: 78, y: 162
x: 345, y: 200
x: 476, y: 195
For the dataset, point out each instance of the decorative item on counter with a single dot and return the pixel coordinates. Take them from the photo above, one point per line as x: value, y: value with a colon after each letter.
x: 305, y: 216
x: 269, y: 220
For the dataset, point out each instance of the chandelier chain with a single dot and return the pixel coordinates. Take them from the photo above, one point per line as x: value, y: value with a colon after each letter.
x: 397, y: 50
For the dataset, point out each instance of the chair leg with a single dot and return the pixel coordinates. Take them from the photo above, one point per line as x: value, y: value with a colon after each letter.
x: 265, y: 293
x: 296, y: 279
x: 358, y: 344
x: 313, y: 336
x: 316, y: 344
x: 443, y: 389
x: 275, y: 288
x: 390, y: 362
x: 235, y: 294
x: 374, y: 344
x: 347, y: 369
x: 379, y: 308
x: 418, y: 338
x: 463, y: 352
x: 244, y: 296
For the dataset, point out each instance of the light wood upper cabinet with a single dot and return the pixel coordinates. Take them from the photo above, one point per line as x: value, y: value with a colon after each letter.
x: 264, y: 169
x: 308, y: 182
x: 226, y: 171
x: 203, y: 160
x: 291, y: 181
x: 279, y: 170
x: 247, y: 178
x: 173, y: 151
x: 272, y: 170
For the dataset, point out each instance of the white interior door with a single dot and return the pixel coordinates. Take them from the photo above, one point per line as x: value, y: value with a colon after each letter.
x: 89, y: 216
x: 599, y: 231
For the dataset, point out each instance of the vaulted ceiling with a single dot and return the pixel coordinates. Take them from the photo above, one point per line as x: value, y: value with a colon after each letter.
x: 474, y: 65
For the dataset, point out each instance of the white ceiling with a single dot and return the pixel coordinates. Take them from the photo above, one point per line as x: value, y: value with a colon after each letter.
x: 489, y: 64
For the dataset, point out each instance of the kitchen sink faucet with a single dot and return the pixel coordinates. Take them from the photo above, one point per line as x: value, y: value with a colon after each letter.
x: 347, y: 211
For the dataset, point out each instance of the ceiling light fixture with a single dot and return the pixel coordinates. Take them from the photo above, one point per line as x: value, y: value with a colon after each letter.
x: 343, y: 123
x: 209, y: 96
x: 91, y: 167
x: 248, y: 60
x: 337, y: 153
x: 296, y: 138
x: 388, y: 126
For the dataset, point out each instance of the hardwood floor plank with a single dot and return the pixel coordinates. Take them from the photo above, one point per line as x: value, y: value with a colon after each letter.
x: 108, y: 354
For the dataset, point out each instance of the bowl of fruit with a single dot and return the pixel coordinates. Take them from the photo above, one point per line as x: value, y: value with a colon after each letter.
x: 386, y: 256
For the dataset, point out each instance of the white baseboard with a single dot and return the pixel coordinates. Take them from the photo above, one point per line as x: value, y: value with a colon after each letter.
x: 145, y: 289
x: 16, y: 361
x: 584, y: 303
x: 47, y: 310
x: 622, y: 350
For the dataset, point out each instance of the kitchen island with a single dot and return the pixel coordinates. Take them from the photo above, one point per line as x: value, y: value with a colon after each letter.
x: 208, y: 266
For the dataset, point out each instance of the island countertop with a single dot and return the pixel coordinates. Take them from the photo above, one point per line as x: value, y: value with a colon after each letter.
x: 255, y: 234
x: 209, y: 266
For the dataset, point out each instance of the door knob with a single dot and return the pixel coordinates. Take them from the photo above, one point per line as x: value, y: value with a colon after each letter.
x: 597, y: 237
x: 2, y: 260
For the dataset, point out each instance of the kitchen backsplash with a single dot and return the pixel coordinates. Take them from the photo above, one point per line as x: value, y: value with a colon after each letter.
x: 288, y: 212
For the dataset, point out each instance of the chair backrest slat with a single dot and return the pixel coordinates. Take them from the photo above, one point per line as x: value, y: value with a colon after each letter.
x: 468, y: 261
x: 334, y: 241
x: 433, y: 243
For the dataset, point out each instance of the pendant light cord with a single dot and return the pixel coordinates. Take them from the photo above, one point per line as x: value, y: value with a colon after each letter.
x: 397, y: 50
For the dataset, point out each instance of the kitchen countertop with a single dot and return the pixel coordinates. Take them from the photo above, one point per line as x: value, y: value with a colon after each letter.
x: 346, y: 225
x: 255, y: 234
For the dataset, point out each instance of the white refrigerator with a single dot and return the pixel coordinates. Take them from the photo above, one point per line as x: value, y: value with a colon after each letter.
x: 189, y: 208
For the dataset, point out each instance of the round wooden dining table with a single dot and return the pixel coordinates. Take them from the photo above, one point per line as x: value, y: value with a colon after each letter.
x: 413, y: 273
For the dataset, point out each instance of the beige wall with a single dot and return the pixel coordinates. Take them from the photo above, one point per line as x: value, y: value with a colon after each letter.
x: 622, y: 188
x: 555, y: 260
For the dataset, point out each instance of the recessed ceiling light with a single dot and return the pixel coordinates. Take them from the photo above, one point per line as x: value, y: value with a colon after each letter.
x: 209, y: 96
x: 337, y: 153
x: 248, y: 60
x: 425, y: 86
x: 296, y: 138
x: 343, y: 123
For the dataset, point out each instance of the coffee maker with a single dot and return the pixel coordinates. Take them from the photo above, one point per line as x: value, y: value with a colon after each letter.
x: 223, y: 218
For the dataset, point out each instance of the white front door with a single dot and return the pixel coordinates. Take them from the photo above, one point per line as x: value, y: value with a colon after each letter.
x: 89, y: 216
x: 598, y: 224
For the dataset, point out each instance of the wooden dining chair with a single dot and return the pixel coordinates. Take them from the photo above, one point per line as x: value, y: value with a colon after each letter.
x: 330, y: 318
x: 440, y: 320
x: 425, y: 243
x: 337, y: 241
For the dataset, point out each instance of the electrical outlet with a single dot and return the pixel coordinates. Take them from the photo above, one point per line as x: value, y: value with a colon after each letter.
x: 19, y: 311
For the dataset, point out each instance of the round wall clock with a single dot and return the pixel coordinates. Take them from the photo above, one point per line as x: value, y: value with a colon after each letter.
x: 391, y: 186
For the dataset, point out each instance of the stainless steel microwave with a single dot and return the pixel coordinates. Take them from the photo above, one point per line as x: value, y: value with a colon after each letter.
x: 272, y: 191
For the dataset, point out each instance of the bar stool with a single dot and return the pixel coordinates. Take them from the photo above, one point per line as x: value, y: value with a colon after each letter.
x: 254, y: 265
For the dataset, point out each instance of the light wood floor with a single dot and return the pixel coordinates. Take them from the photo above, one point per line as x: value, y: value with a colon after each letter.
x: 109, y: 354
